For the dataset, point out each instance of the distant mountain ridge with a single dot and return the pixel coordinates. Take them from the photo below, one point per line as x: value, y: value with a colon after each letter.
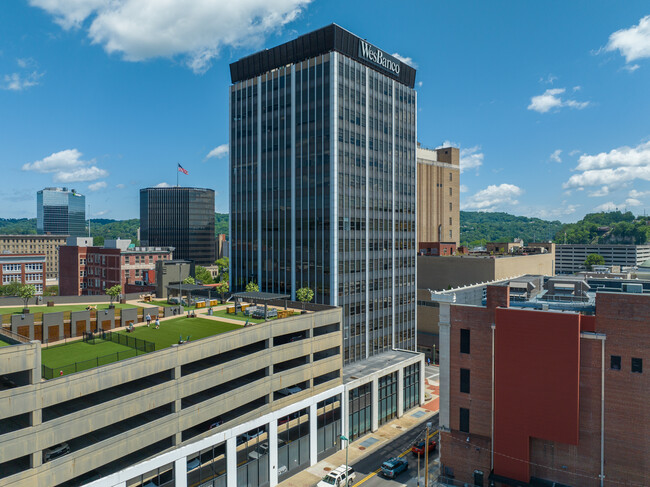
x: 479, y: 227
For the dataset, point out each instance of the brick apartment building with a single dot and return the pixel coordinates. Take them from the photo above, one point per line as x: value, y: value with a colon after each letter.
x: 90, y: 270
x: 545, y: 398
x: 36, y: 244
x: 24, y: 268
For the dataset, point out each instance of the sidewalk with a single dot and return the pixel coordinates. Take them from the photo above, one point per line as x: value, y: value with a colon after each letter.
x: 362, y: 447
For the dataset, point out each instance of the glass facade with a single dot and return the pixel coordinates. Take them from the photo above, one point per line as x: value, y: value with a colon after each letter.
x: 293, y: 443
x: 60, y: 212
x: 253, y: 458
x: 208, y: 467
x: 323, y: 172
x: 161, y: 477
x: 179, y: 217
x: 387, y: 404
x: 411, y: 386
x: 360, y: 411
x: 329, y: 426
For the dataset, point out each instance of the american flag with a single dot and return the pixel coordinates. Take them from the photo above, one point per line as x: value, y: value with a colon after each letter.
x: 181, y: 169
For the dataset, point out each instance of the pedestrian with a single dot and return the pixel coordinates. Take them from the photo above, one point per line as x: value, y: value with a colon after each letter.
x: 428, y: 360
x: 148, y: 319
x: 157, y: 323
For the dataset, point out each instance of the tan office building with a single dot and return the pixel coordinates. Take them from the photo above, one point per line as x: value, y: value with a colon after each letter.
x: 36, y: 244
x: 438, y: 190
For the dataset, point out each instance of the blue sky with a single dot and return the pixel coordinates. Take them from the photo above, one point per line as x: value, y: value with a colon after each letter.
x: 549, y: 102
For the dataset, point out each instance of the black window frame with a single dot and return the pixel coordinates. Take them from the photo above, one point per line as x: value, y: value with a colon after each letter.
x: 465, y: 340
x: 615, y: 362
x: 636, y: 365
x: 464, y: 381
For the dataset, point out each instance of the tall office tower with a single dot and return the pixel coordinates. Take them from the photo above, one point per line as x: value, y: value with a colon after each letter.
x: 323, y: 176
x: 60, y: 212
x: 438, y: 195
x: 179, y: 217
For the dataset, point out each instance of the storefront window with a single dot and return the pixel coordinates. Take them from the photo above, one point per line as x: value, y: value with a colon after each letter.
x: 253, y: 458
x: 293, y: 442
x: 387, y: 398
x: 208, y: 467
x: 411, y: 386
x: 329, y: 426
x: 360, y: 418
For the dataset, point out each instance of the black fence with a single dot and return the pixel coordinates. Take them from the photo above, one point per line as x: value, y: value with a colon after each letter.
x: 137, y: 346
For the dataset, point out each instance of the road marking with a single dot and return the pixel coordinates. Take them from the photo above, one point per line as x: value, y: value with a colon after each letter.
x: 405, y: 452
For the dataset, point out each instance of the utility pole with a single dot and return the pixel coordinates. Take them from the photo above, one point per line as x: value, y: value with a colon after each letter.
x: 419, y: 470
x: 426, y: 456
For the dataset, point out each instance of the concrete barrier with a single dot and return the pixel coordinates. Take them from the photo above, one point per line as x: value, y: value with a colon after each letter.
x: 53, y: 320
x: 128, y: 316
x: 79, y: 322
x: 21, y: 321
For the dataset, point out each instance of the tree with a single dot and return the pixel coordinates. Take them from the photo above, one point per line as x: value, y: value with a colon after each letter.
x: 222, y: 288
x: 114, y: 292
x: 594, y: 259
x: 27, y: 292
x: 189, y: 280
x: 51, y: 291
x: 203, y: 275
x: 304, y: 295
x: 252, y: 287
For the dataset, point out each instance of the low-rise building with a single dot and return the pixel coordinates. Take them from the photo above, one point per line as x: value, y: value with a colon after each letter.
x: 546, y: 396
x: 25, y: 269
x: 36, y: 244
x: 571, y: 258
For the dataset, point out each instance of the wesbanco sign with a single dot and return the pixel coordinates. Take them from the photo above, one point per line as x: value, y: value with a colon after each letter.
x: 379, y: 57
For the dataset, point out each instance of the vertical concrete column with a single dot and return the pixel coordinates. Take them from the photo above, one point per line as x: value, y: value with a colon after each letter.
x: 231, y: 461
x: 444, y: 337
x: 37, y: 459
x: 36, y: 417
x: 37, y: 370
x: 374, y: 426
x: 422, y: 383
x: 180, y: 472
x: 46, y: 332
x: 400, y: 392
x: 313, y: 434
x: 273, y: 452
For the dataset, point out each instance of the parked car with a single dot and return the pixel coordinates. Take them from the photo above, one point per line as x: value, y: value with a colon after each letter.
x: 287, y: 391
x: 288, y: 418
x: 393, y: 467
x: 249, y: 436
x: 218, y: 421
x: 418, y: 447
x: 55, y: 451
x: 263, y: 449
x: 338, y: 477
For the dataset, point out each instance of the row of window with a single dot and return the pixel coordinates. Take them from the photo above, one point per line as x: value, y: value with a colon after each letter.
x: 636, y: 364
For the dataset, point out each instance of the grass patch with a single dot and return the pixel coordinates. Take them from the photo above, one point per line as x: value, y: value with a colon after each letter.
x: 222, y: 313
x: 170, y: 330
x: 164, y: 304
x: 4, y: 344
x: 85, y: 355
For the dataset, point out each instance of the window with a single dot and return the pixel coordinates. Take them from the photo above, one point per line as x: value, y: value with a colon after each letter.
x: 449, y: 206
x: 637, y: 365
x: 464, y: 341
x: 450, y: 220
x: 449, y: 191
x: 464, y: 420
x: 450, y: 177
x: 464, y: 380
x: 450, y: 234
x: 615, y: 362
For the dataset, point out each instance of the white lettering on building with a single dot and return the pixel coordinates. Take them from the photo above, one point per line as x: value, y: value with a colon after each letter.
x: 377, y: 56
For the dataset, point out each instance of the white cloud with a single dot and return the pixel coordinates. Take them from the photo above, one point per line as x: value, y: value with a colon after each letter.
x: 577, y: 88
x: 197, y: 31
x: 120, y: 186
x: 494, y: 197
x: 609, y: 206
x: 19, y: 82
x: 614, y: 168
x: 463, y: 188
x: 218, y: 152
x: 556, y: 155
x: 604, y: 191
x: 163, y: 185
x: 551, y: 99
x: 632, y: 43
x: 97, y: 186
x: 405, y: 60
x: 419, y: 84
x: 631, y: 67
x: 549, y: 80
x: 557, y: 212
x: 67, y: 167
x: 638, y: 194
x: 574, y: 152
x: 471, y: 158
x: 632, y: 202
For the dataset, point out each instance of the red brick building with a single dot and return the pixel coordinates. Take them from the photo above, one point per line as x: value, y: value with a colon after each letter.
x: 24, y: 268
x: 536, y: 397
x: 437, y: 248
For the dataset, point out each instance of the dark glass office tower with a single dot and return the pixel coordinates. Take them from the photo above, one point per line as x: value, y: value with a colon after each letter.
x: 179, y: 217
x: 60, y: 212
x: 323, y: 177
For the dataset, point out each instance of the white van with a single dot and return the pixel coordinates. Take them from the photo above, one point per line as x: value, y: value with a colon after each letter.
x: 338, y: 477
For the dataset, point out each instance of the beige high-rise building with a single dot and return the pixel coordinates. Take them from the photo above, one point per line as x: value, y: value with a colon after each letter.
x: 36, y: 244
x: 438, y: 190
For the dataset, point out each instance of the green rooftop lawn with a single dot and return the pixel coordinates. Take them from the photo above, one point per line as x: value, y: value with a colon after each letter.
x: 222, y: 313
x: 3, y: 344
x: 164, y: 304
x: 171, y: 330
x: 60, y: 356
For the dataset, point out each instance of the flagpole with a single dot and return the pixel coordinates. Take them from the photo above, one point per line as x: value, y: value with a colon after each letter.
x: 177, y: 171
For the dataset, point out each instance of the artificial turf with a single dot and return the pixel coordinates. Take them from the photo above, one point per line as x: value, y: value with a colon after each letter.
x: 222, y: 313
x: 3, y: 344
x: 171, y: 330
x: 85, y: 355
x: 60, y: 307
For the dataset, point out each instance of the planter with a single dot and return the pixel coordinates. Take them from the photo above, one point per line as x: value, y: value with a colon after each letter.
x: 50, y: 304
x: 111, y: 306
x: 25, y: 311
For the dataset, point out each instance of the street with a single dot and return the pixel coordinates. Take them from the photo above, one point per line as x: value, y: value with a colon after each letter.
x: 367, y: 468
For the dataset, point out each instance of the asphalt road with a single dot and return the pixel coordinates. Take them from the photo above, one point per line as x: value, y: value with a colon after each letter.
x: 367, y: 468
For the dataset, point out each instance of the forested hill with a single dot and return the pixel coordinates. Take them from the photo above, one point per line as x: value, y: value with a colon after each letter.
x: 100, y: 228
x: 478, y: 227
x: 613, y: 227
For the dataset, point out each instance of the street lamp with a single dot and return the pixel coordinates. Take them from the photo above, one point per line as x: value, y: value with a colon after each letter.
x: 347, y: 443
x: 426, y: 456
